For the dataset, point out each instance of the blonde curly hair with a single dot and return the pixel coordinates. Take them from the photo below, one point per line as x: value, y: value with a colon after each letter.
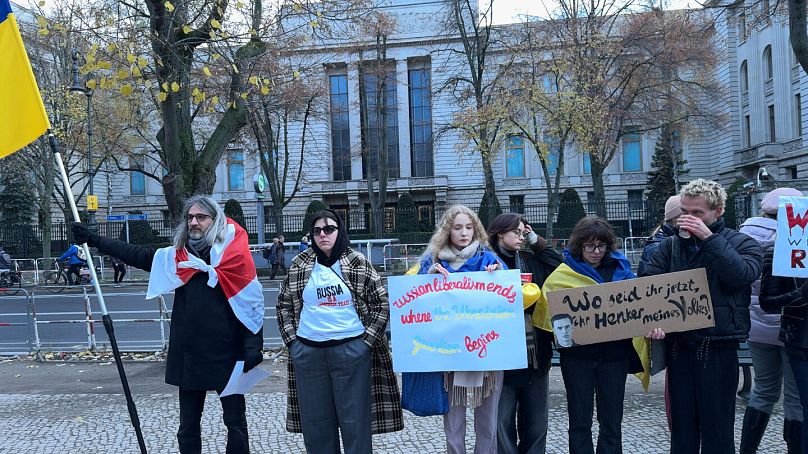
x: 712, y: 192
x: 442, y: 237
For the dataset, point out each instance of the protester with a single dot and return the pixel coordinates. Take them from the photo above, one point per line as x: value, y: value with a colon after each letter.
x: 217, y: 316
x: 458, y: 245
x: 304, y: 243
x: 673, y: 209
x: 703, y: 364
x: 591, y: 258
x: 523, y: 410
x: 332, y: 313
x: 278, y: 256
x: 770, y: 357
x: 74, y: 256
x: 120, y: 271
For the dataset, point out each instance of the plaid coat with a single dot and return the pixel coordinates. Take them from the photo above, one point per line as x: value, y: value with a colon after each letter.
x: 370, y: 300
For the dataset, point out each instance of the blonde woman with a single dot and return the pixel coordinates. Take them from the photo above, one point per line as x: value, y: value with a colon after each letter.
x: 458, y: 246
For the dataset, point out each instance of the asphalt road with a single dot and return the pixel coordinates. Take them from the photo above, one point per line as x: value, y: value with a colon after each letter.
x: 61, y: 319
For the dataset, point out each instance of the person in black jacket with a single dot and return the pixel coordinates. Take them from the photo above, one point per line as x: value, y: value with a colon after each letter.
x: 789, y: 297
x: 525, y: 391
x: 703, y: 364
x: 207, y: 336
x: 673, y: 209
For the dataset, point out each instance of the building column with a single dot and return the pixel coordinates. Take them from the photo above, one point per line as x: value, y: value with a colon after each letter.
x: 355, y: 121
x: 403, y: 101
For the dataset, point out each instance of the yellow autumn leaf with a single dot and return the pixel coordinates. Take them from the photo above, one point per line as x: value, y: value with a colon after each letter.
x: 165, y: 86
x: 215, y: 24
x: 254, y: 80
x: 212, y: 34
x: 126, y: 90
x: 214, y: 100
x: 186, y: 29
x: 104, y: 65
x: 264, y: 90
x: 111, y: 47
x: 142, y: 62
x: 162, y: 96
x: 239, y: 4
x: 235, y: 68
x: 195, y: 92
x: 206, y: 71
x: 296, y: 74
x: 244, y: 96
x: 136, y: 72
x: 266, y: 81
x: 216, y: 56
x: 297, y: 7
x: 175, y: 87
x: 168, y: 6
x: 314, y: 24
x: 91, y: 84
x: 122, y: 74
x: 43, y: 31
x: 41, y: 21
x: 130, y: 58
x: 42, y: 3
x: 224, y: 34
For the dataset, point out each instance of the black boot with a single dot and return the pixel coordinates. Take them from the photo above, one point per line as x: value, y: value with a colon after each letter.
x: 792, y: 434
x: 754, y: 425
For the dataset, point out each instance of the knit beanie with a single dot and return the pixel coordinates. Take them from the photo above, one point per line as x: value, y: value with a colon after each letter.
x: 771, y: 200
x: 673, y: 207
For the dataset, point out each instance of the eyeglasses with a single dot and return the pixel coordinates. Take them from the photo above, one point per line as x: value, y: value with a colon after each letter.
x: 201, y: 217
x: 329, y: 229
x: 591, y: 247
x: 519, y: 233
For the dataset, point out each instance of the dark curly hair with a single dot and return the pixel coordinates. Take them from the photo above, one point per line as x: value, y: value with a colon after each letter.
x: 591, y: 228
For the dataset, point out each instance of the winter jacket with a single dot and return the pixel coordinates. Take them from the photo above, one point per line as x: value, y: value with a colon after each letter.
x: 540, y: 261
x: 733, y: 262
x: 782, y: 295
x: 206, y: 338
x: 277, y: 255
x: 765, y: 327
x: 72, y: 253
x: 652, y: 243
x: 371, y: 303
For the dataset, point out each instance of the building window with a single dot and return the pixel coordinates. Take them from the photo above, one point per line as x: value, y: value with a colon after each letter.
x: 426, y: 216
x: 551, y: 154
x: 517, y: 203
x: 798, y: 114
x: 340, y: 132
x: 744, y: 77
x: 235, y: 170
x: 791, y: 172
x: 389, y: 219
x: 137, y: 180
x: 587, y: 164
x: 374, y: 105
x: 420, y: 122
x: 632, y: 152
x: 635, y: 199
x: 768, y: 69
x: 515, y: 157
x: 747, y: 131
x: 742, y: 26
x: 772, y: 125
x: 342, y: 212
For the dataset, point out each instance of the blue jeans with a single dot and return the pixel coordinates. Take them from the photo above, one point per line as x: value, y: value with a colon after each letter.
x: 333, y: 388
x: 583, y: 379
x: 800, y: 368
x: 522, y: 415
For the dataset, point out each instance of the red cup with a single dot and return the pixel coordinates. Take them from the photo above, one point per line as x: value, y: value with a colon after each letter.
x: 527, y: 278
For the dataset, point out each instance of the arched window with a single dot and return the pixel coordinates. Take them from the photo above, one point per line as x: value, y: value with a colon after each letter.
x: 768, y: 70
x: 744, y: 77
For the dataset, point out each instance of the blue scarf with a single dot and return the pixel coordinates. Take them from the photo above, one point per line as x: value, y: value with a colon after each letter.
x: 621, y: 273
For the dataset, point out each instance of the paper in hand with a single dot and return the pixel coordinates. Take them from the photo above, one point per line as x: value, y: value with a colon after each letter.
x: 241, y: 382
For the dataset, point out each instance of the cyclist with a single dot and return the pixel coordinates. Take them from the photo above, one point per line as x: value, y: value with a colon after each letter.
x: 5, y: 260
x: 75, y: 260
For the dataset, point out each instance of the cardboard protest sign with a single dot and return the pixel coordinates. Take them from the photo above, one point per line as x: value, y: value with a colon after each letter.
x: 625, y: 309
x: 791, y: 244
x: 466, y: 322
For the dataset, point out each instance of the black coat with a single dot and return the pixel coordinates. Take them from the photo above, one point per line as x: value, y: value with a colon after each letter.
x: 783, y: 295
x: 651, y: 245
x: 206, y: 338
x: 733, y: 262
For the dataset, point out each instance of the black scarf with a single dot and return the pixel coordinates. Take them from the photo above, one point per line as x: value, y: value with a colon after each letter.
x: 340, y: 245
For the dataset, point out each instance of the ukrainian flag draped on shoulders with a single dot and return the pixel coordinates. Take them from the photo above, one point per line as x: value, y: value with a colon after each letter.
x: 23, y: 118
x: 573, y: 274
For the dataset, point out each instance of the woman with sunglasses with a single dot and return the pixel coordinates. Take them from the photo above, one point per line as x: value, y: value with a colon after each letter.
x: 458, y: 245
x: 591, y: 258
x: 332, y: 312
x: 523, y: 411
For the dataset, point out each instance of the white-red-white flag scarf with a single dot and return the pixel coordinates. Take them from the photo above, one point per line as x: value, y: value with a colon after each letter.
x: 231, y: 266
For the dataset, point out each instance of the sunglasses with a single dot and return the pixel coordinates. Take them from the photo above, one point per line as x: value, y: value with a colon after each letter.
x: 329, y: 229
x: 199, y: 217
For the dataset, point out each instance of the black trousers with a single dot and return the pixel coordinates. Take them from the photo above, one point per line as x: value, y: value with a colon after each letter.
x: 234, y: 414
x: 73, y: 270
x: 275, y: 267
x: 120, y: 272
x: 702, y: 381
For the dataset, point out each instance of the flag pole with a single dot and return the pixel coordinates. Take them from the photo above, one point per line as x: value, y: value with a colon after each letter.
x: 130, y: 403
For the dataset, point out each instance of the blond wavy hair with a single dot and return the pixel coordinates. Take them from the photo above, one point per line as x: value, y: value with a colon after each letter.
x: 712, y: 192
x: 442, y: 237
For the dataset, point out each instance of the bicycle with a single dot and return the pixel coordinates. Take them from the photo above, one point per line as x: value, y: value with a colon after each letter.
x: 10, y: 282
x: 56, y: 279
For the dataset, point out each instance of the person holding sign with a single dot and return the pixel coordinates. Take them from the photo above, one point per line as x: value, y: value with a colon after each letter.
x: 458, y: 245
x: 769, y: 359
x: 525, y: 391
x: 703, y: 363
x: 332, y: 313
x: 591, y: 258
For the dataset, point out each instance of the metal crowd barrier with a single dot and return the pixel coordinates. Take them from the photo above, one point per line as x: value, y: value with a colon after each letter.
x: 16, y: 321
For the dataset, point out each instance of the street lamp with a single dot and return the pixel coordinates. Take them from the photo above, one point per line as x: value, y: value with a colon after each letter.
x: 78, y: 87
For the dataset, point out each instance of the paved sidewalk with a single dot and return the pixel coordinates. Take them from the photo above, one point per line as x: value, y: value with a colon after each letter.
x: 94, y: 418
